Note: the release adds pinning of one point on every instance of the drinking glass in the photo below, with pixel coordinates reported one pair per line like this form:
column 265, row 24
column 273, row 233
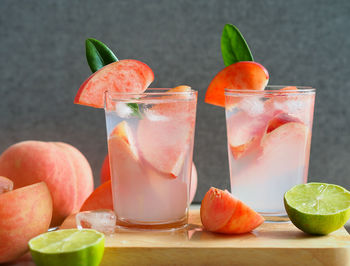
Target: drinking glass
column 269, row 137
column 150, row 144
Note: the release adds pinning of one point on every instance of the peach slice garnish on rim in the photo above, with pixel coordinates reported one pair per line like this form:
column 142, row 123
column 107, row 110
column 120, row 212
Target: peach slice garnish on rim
column 124, row 76
column 245, row 75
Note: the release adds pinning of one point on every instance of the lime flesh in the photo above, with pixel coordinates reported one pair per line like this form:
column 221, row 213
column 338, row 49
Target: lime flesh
column 68, row 247
column 318, row 208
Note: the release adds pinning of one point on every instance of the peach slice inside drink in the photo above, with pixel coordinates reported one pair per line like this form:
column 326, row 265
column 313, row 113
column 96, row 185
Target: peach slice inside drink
column 280, row 162
column 245, row 128
column 168, row 150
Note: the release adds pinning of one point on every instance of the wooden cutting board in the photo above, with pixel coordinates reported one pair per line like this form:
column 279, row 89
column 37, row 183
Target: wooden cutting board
column 270, row 244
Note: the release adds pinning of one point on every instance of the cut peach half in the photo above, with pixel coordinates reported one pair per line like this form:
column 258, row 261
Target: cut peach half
column 5, row 184
column 124, row 76
column 24, row 213
column 223, row 213
column 245, row 75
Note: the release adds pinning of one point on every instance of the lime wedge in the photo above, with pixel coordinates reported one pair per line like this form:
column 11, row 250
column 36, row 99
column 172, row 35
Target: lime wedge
column 68, row 247
column 318, row 208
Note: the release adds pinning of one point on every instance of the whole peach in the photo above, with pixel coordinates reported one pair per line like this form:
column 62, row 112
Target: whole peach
column 62, row 167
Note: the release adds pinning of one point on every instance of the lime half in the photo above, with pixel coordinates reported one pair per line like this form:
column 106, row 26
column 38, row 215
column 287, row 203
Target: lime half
column 318, row 208
column 68, row 247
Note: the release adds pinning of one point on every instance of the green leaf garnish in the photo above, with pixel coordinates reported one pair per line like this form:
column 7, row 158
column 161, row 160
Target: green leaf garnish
column 233, row 46
column 135, row 109
column 98, row 54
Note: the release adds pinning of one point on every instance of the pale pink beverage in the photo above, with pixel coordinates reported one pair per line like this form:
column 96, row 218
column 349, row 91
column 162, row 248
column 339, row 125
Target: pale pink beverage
column 150, row 145
column 269, row 138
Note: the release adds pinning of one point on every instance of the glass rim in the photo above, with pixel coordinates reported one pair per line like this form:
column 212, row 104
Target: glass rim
column 272, row 89
column 152, row 96
column 152, row 92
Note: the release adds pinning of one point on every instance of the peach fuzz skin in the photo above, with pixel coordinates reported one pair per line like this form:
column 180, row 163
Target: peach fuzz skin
column 24, row 213
column 245, row 75
column 130, row 76
column 222, row 213
column 62, row 167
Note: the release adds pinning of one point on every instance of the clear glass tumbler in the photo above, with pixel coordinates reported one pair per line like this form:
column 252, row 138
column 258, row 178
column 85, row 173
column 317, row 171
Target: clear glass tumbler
column 269, row 138
column 150, row 146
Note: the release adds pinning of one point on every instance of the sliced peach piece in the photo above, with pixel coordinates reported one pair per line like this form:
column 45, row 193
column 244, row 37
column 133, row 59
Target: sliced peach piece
column 5, row 184
column 245, row 131
column 128, row 76
column 285, row 149
column 245, row 75
column 222, row 213
column 123, row 131
column 289, row 134
column 280, row 120
column 128, row 179
column 164, row 135
column 101, row 198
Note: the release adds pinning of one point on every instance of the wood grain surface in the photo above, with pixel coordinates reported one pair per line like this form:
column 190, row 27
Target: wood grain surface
column 270, row 244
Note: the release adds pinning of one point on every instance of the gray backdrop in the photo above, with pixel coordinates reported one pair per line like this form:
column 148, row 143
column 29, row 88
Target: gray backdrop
column 43, row 63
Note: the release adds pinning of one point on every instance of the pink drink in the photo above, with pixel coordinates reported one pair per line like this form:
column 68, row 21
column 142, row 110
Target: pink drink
column 151, row 156
column 269, row 137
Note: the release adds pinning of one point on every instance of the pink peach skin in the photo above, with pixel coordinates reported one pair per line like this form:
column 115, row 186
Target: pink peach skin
column 62, row 167
column 24, row 213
